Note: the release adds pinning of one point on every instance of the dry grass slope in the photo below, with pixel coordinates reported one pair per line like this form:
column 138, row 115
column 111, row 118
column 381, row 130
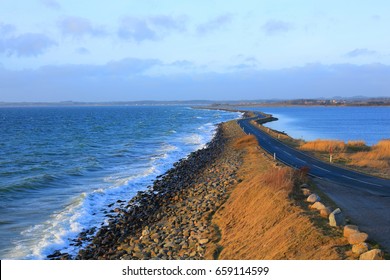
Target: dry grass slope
column 260, row 220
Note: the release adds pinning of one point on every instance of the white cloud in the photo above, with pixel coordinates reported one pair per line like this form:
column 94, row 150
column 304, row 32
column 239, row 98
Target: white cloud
column 214, row 24
column 275, row 27
column 151, row 28
column 82, row 51
column 360, row 52
column 28, row 44
column 6, row 29
column 52, row 4
column 78, row 27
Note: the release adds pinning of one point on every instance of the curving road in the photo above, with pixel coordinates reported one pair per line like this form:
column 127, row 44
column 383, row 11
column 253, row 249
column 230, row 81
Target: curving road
column 365, row 199
column 317, row 168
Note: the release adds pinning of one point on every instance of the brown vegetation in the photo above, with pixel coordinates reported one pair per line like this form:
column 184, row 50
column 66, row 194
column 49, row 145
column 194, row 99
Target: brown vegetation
column 281, row 136
column 324, row 146
column 261, row 220
column 377, row 157
column 355, row 154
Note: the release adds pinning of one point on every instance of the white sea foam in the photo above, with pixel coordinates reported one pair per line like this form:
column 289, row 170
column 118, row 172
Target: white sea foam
column 87, row 209
column 167, row 148
column 193, row 139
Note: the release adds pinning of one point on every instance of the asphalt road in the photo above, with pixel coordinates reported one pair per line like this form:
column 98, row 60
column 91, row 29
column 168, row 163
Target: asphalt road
column 364, row 199
column 317, row 168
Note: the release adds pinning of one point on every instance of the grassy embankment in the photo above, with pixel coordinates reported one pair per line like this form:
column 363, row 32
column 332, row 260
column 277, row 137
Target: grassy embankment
column 356, row 155
column 265, row 216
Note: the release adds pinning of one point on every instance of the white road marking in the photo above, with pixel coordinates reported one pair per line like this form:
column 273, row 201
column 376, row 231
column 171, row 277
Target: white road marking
column 301, row 160
column 321, row 168
column 361, row 181
column 288, row 153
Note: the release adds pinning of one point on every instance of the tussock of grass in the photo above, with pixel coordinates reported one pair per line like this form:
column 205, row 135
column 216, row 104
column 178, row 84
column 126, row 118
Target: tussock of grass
column 357, row 146
column 381, row 150
column 245, row 141
column 279, row 179
column 324, row 146
column 377, row 157
column 355, row 153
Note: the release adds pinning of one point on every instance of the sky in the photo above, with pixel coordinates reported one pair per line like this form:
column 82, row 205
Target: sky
column 72, row 50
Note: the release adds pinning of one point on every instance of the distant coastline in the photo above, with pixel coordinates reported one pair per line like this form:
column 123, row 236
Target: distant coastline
column 217, row 104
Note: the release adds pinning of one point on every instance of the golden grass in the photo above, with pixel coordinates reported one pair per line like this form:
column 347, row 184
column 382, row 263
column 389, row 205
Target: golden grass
column 356, row 143
column 377, row 157
column 324, row 146
column 381, row 150
column 355, row 153
column 260, row 221
column 279, row 179
column 245, row 141
column 357, row 146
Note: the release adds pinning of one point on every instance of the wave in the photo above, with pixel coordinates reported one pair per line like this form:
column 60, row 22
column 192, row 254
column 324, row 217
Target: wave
column 88, row 210
column 30, row 184
column 87, row 197
column 193, row 139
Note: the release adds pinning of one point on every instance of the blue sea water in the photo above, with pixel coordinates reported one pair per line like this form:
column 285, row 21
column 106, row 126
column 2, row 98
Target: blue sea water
column 370, row 124
column 60, row 168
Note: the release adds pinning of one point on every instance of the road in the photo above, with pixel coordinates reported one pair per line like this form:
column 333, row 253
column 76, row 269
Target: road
column 317, row 168
column 365, row 199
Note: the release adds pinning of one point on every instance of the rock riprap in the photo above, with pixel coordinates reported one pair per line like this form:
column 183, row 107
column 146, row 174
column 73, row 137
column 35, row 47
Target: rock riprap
column 172, row 219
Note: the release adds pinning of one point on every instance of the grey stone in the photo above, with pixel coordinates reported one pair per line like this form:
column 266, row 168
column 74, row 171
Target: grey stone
column 336, row 218
column 313, row 198
column 306, row 192
column 357, row 238
column 203, row 241
column 375, row 254
column 325, row 212
column 318, row 205
column 350, row 229
column 360, row 248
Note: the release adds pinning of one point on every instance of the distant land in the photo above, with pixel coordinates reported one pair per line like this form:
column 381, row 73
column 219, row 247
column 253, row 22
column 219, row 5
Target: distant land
column 335, row 101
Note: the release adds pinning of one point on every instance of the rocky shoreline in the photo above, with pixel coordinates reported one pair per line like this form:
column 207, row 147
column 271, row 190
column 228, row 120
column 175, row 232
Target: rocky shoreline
column 172, row 219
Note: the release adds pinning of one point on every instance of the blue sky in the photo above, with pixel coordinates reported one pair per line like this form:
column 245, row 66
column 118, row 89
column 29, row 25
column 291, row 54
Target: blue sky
column 56, row 50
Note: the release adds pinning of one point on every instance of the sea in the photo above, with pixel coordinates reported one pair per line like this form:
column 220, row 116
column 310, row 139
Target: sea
column 369, row 124
column 63, row 169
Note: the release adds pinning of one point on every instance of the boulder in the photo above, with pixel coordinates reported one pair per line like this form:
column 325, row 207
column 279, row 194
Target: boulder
column 203, row 241
column 304, row 186
column 318, row 205
column 375, row 254
column 306, row 192
column 325, row 212
column 336, row 218
column 360, row 248
column 145, row 231
column 350, row 229
column 356, row 238
column 313, row 198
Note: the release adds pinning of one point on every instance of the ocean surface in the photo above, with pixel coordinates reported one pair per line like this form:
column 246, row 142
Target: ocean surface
column 63, row 169
column 370, row 124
